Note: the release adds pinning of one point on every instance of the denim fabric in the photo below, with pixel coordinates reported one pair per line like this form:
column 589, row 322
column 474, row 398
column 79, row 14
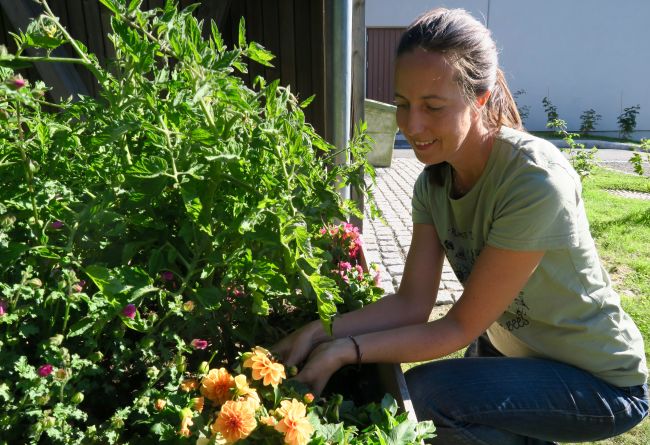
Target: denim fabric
column 486, row 398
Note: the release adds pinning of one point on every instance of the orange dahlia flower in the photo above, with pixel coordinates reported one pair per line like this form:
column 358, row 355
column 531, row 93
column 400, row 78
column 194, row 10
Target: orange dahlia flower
column 265, row 369
column 188, row 385
column 198, row 402
column 245, row 392
column 294, row 424
column 186, row 423
column 235, row 421
column 217, row 385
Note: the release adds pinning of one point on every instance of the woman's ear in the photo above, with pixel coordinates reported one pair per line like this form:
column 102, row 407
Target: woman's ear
column 482, row 99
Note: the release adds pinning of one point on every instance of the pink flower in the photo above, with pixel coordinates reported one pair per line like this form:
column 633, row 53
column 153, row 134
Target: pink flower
column 167, row 275
column 16, row 83
column 3, row 307
column 197, row 343
column 359, row 270
column 323, row 231
column 376, row 278
column 79, row 286
column 129, row 311
column 345, row 266
column 56, row 224
column 45, row 370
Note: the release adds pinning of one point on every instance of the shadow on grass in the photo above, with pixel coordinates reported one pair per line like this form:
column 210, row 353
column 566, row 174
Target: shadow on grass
column 637, row 218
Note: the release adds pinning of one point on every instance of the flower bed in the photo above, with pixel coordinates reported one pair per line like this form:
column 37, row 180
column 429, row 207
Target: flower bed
column 151, row 236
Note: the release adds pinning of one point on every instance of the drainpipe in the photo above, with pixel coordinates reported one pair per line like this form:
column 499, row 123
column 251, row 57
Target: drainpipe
column 339, row 78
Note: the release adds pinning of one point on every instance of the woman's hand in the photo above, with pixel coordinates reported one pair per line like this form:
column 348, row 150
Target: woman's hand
column 295, row 347
column 324, row 361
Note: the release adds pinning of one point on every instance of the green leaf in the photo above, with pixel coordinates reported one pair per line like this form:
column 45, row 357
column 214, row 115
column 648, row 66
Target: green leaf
column 242, row 33
column 135, row 4
column 260, row 55
column 105, row 281
column 110, row 4
column 209, row 297
column 305, row 103
column 150, row 167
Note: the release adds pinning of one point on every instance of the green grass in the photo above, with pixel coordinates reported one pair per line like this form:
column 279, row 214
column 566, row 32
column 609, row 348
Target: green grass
column 621, row 228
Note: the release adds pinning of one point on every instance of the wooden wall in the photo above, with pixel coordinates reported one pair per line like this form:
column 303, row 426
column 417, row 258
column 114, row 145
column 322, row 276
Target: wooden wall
column 382, row 45
column 293, row 30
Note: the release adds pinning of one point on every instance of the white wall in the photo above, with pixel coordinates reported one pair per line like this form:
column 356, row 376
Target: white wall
column 580, row 53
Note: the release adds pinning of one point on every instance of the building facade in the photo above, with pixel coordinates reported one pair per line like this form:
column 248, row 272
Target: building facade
column 581, row 54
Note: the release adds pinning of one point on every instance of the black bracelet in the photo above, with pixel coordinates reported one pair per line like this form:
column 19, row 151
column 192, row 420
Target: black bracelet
column 358, row 351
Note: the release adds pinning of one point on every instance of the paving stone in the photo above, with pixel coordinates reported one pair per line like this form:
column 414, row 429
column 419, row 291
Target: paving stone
column 444, row 297
column 394, row 262
column 395, row 270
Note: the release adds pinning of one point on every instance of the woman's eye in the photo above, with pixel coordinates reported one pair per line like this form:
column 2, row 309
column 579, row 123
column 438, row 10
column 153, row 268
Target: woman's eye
column 433, row 108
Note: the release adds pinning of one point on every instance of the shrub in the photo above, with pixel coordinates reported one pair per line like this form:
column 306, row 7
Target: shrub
column 588, row 120
column 524, row 110
column 552, row 115
column 627, row 120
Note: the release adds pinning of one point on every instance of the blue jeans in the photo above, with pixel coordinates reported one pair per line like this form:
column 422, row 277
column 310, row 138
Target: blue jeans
column 486, row 398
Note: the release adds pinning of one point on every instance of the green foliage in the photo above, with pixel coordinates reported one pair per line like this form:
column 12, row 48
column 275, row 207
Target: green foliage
column 627, row 120
column 583, row 160
column 552, row 115
column 639, row 157
column 524, row 110
column 588, row 120
column 179, row 206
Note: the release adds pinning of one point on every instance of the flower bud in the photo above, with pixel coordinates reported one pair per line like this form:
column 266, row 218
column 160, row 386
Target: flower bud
column 48, row 422
column 16, row 83
column 35, row 283
column 152, row 372
column 159, row 404
column 56, row 340
column 95, row 356
column 204, row 368
column 188, row 306
column 33, row 166
column 77, row 398
column 292, row 371
column 61, row 374
column 45, row 370
column 42, row 400
column 308, row 398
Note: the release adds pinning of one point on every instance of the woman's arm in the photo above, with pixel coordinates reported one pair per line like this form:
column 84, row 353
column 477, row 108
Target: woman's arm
column 411, row 304
column 496, row 279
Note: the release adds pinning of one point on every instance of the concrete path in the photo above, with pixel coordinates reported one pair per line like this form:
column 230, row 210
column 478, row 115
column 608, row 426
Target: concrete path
column 388, row 244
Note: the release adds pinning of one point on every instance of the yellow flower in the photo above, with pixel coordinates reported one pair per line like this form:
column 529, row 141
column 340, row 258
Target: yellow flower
column 294, row 424
column 217, row 384
column 235, row 421
column 245, row 392
column 264, row 368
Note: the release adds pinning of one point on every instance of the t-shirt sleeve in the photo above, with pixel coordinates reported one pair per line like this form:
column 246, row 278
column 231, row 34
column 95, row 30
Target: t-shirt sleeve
column 421, row 202
column 538, row 212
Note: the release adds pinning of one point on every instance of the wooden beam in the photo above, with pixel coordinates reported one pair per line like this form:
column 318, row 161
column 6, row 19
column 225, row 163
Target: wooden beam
column 63, row 79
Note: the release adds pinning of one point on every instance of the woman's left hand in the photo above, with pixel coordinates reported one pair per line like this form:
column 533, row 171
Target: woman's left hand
column 324, row 361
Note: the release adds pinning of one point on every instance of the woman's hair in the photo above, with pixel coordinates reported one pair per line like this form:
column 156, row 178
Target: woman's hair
column 468, row 47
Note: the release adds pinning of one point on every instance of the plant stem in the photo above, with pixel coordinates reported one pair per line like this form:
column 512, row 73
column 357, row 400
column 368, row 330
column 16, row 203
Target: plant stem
column 101, row 77
column 28, row 172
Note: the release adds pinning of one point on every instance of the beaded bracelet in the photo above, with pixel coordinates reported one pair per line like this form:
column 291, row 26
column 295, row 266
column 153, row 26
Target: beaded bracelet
column 358, row 351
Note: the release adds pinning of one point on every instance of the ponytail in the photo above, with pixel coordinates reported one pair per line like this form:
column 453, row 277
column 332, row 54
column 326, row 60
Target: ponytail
column 501, row 108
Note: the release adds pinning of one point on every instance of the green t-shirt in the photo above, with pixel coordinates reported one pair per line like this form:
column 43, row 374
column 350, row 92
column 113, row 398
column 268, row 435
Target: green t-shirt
column 529, row 198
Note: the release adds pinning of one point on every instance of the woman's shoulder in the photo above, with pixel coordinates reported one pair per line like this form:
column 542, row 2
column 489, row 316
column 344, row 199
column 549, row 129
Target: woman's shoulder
column 520, row 150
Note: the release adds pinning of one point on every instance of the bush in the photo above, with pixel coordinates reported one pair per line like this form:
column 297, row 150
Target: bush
column 552, row 115
column 174, row 220
column 627, row 120
column 588, row 120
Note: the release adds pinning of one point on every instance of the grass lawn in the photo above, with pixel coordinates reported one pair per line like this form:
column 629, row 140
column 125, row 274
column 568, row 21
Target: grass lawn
column 621, row 229
column 597, row 137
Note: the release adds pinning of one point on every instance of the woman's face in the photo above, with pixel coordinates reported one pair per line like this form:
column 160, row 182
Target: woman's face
column 431, row 110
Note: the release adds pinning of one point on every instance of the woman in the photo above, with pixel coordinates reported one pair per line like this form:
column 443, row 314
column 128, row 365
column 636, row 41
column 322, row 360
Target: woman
column 552, row 355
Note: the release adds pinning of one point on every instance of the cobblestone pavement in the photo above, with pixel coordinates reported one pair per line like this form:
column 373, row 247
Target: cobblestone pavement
column 387, row 244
